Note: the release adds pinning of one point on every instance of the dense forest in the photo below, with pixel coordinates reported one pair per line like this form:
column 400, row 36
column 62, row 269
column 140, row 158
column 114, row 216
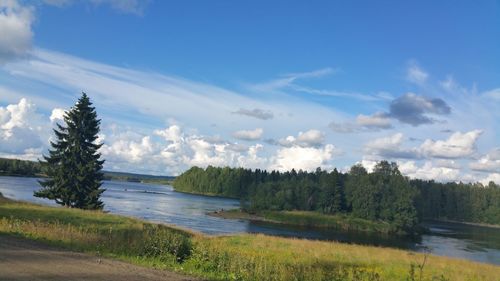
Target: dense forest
column 385, row 194
column 15, row 167
column 466, row 202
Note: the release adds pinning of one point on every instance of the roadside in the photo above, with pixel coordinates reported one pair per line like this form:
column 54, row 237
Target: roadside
column 22, row 259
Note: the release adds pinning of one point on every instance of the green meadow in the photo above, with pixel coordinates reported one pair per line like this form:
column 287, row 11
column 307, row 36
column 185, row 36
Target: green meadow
column 236, row 257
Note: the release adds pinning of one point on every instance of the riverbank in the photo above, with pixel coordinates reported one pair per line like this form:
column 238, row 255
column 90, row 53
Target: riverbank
column 215, row 195
column 494, row 226
column 237, row 257
column 308, row 219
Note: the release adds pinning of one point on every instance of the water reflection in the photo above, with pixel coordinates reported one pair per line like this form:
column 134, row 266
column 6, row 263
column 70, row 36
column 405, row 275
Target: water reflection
column 162, row 204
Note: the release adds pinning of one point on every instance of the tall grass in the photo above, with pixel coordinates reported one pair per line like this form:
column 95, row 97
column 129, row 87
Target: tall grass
column 338, row 221
column 238, row 257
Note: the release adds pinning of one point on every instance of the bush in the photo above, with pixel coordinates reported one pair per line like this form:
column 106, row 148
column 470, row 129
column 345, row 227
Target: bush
column 162, row 242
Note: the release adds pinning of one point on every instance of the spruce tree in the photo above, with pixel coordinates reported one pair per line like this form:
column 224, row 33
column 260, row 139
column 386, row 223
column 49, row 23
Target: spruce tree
column 73, row 165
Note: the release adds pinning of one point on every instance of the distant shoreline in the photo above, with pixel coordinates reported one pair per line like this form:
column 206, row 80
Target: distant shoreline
column 205, row 194
column 145, row 181
column 486, row 225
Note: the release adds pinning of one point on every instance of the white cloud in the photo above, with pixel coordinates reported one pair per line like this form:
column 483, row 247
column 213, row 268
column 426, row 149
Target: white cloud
column 390, row 147
column 171, row 151
column 21, row 128
column 15, row 30
column 310, row 138
column 416, row 74
column 458, row 145
column 303, row 158
column 488, row 163
column 249, row 135
column 57, row 114
column 430, row 171
column 494, row 177
column 132, row 151
column 172, row 133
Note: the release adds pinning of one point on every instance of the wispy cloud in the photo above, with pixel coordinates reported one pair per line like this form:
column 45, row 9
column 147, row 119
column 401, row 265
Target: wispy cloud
column 289, row 83
column 416, row 74
column 136, row 7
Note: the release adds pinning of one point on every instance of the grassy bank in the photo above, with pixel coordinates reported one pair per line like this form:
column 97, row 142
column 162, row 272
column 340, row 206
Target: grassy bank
column 309, row 219
column 239, row 257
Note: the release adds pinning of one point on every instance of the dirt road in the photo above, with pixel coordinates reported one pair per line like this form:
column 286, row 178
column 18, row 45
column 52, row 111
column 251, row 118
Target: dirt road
column 25, row 260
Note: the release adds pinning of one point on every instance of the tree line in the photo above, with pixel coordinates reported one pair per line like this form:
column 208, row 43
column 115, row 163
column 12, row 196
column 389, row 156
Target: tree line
column 16, row 167
column 382, row 195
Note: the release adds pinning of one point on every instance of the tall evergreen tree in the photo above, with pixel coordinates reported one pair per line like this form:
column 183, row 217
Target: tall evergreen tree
column 73, row 165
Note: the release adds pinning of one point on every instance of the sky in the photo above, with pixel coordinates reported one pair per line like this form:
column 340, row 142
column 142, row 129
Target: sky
column 259, row 84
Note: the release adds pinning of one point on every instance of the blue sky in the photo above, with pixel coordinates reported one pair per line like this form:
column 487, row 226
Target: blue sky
column 267, row 84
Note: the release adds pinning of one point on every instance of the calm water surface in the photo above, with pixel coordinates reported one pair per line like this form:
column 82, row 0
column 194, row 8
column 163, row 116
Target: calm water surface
column 162, row 204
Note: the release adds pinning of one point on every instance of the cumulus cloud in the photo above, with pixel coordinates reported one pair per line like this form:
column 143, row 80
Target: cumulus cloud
column 303, row 158
column 458, row 145
column 22, row 128
column 15, row 29
column 256, row 113
column 249, row 135
column 390, row 147
column 57, row 114
column 171, row 151
column 488, row 163
column 379, row 120
column 494, row 177
column 310, row 138
column 430, row 171
column 415, row 110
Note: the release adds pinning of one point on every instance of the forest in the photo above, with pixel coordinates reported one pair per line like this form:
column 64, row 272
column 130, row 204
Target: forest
column 16, row 167
column 382, row 195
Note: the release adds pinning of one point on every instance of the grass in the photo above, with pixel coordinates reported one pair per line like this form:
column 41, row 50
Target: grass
column 310, row 219
column 238, row 257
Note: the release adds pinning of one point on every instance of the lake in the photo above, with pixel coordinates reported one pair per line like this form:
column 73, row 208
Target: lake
column 162, row 204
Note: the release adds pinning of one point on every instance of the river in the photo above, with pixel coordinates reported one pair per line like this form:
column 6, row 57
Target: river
column 162, row 204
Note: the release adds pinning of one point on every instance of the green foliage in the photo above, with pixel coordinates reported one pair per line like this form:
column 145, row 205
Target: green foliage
column 15, row 167
column 73, row 165
column 459, row 201
column 384, row 195
column 161, row 241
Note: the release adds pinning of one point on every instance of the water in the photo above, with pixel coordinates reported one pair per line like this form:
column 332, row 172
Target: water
column 162, row 204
